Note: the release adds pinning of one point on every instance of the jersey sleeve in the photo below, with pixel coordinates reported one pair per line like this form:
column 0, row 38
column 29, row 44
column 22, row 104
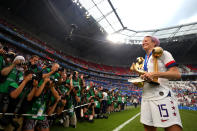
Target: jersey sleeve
column 168, row 59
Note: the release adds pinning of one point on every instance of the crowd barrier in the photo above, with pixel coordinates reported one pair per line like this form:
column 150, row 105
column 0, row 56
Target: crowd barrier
column 13, row 114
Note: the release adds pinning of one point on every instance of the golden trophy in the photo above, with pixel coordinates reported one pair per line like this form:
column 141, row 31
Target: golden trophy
column 138, row 68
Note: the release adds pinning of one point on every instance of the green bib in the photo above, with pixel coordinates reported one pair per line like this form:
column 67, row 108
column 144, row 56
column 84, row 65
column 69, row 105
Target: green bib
column 38, row 103
column 12, row 77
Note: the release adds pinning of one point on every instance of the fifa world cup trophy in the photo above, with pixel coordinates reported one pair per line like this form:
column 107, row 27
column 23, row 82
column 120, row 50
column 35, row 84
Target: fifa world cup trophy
column 139, row 65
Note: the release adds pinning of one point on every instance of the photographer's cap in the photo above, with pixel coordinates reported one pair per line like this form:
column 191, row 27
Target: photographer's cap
column 21, row 58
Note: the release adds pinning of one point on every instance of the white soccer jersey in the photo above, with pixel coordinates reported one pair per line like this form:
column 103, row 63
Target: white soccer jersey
column 156, row 92
column 159, row 108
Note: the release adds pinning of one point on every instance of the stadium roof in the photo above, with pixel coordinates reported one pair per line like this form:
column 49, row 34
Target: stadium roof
column 108, row 14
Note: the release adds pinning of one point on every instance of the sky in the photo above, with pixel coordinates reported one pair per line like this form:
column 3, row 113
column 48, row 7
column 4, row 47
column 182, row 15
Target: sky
column 154, row 14
column 145, row 14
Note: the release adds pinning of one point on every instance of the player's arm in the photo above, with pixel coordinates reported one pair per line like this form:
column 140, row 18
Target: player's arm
column 172, row 70
column 172, row 73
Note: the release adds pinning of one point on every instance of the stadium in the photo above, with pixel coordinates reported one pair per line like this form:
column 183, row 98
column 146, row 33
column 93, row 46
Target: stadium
column 75, row 66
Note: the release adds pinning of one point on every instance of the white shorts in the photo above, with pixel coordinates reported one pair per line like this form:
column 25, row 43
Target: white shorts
column 160, row 113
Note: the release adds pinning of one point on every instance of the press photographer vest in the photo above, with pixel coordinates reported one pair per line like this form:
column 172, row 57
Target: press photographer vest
column 13, row 76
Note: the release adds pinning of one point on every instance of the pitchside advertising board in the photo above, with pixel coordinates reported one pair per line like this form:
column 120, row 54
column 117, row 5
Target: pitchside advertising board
column 188, row 108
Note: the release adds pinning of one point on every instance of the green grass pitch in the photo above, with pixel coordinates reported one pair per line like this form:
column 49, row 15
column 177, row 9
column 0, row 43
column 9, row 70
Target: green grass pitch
column 189, row 121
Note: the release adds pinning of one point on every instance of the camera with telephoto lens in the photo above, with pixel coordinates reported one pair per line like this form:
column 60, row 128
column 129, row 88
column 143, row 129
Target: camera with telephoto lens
column 74, row 74
column 76, row 87
column 9, row 55
column 60, row 69
column 23, row 63
column 37, row 76
column 68, row 74
column 54, row 80
column 92, row 104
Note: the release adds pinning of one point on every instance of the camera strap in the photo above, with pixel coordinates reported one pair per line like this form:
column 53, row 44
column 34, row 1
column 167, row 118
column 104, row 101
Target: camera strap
column 18, row 80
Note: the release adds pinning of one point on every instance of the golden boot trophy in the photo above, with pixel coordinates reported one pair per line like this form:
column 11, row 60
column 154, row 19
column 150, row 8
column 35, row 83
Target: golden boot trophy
column 138, row 68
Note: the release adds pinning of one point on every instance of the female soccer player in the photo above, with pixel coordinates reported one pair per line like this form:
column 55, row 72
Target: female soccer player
column 159, row 107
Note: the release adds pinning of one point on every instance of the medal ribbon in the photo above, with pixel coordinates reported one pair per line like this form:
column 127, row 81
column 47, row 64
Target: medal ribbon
column 146, row 61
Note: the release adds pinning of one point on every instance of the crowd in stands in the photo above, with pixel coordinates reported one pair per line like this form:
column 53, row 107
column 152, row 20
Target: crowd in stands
column 83, row 63
column 186, row 92
column 193, row 68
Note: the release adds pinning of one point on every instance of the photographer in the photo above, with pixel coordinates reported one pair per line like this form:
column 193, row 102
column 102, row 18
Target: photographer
column 70, row 94
column 2, row 61
column 44, row 102
column 21, row 95
column 32, row 64
column 77, row 84
column 104, row 103
column 11, row 74
column 6, row 59
column 41, row 105
column 119, row 98
column 109, row 101
column 64, row 88
column 90, row 110
column 51, row 71
column 113, row 100
column 98, row 100
column 90, row 96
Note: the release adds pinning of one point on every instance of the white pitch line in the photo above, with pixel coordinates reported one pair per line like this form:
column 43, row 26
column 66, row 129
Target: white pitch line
column 122, row 125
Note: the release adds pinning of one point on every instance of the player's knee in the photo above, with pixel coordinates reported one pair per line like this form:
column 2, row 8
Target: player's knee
column 174, row 128
column 149, row 128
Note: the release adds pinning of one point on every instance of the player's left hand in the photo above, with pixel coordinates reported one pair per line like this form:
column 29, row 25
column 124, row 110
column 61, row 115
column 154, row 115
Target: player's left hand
column 148, row 76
